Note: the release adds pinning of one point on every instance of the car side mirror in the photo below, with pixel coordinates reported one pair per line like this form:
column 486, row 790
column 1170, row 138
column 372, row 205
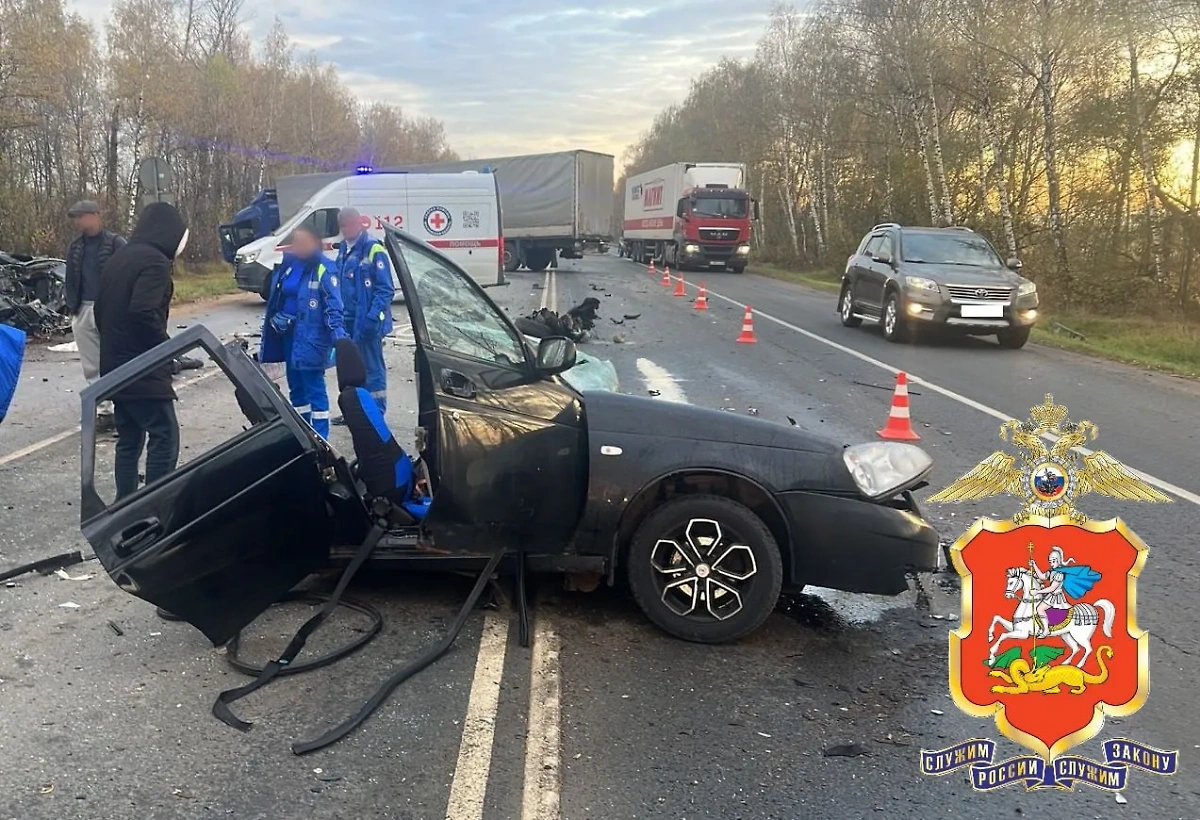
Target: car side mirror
column 681, row 210
column 883, row 258
column 1014, row 263
column 555, row 354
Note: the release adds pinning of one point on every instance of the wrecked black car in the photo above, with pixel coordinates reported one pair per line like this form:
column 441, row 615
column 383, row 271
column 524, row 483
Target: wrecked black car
column 32, row 294
column 707, row 514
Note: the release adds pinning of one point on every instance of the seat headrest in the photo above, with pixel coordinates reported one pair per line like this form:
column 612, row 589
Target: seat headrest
column 351, row 369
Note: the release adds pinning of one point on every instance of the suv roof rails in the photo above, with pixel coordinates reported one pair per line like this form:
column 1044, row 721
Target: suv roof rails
column 886, row 225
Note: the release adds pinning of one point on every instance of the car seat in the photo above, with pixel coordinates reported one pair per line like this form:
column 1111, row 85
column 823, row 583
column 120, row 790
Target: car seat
column 383, row 467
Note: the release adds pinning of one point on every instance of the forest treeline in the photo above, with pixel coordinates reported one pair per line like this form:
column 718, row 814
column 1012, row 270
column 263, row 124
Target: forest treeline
column 180, row 79
column 1065, row 130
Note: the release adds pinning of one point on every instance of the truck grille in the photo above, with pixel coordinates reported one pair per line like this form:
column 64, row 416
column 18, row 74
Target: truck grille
column 718, row 251
column 719, row 234
column 978, row 293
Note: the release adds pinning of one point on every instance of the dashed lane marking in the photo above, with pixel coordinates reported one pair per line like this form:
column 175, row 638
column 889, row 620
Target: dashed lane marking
column 661, row 382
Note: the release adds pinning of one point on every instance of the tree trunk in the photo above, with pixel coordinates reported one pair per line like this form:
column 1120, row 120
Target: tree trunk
column 935, row 213
column 1006, row 214
column 112, row 192
column 938, row 159
column 789, row 213
column 1152, row 220
column 1053, row 185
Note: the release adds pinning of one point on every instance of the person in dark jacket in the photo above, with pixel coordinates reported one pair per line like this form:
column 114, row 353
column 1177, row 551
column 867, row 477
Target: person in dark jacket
column 86, row 257
column 302, row 321
column 131, row 312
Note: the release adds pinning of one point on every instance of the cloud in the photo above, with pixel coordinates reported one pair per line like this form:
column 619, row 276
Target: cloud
column 518, row 76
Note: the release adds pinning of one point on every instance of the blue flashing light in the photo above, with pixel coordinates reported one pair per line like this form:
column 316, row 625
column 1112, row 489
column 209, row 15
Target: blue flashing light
column 363, row 169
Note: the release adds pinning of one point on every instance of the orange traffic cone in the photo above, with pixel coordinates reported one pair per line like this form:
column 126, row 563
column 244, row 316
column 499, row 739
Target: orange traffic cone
column 702, row 299
column 679, row 288
column 899, row 423
column 652, row 271
column 666, row 277
column 748, row 337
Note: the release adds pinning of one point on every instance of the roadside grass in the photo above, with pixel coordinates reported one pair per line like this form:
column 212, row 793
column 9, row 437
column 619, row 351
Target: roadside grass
column 1169, row 345
column 203, row 281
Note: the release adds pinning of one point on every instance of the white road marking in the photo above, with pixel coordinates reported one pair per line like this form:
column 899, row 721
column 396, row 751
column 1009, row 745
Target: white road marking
column 66, row 434
column 661, row 381
column 1162, row 484
column 549, row 291
column 469, row 787
column 541, row 797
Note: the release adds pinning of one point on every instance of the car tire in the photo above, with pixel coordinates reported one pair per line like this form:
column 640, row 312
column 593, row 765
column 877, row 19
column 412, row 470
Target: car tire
column 738, row 269
column 538, row 259
column 747, row 562
column 895, row 329
column 1014, row 338
column 512, row 260
column 846, row 307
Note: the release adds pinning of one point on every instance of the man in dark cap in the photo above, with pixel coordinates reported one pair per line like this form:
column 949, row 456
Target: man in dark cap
column 86, row 257
column 131, row 312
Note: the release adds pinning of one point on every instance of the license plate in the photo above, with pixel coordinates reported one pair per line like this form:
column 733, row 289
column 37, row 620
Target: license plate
column 716, row 264
column 992, row 311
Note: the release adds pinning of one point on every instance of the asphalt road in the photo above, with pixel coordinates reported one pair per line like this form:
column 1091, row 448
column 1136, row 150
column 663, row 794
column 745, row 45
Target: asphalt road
column 605, row 716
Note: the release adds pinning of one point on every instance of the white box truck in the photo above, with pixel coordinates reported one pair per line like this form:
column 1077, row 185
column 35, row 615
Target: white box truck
column 552, row 203
column 691, row 215
column 459, row 214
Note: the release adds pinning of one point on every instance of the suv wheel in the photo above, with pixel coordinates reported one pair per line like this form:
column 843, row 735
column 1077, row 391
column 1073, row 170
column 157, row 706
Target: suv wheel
column 705, row 568
column 1014, row 338
column 895, row 329
column 846, row 307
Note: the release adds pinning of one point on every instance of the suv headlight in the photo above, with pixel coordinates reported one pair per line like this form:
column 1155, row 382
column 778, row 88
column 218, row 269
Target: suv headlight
column 1026, row 289
column 920, row 283
column 882, row 469
column 248, row 257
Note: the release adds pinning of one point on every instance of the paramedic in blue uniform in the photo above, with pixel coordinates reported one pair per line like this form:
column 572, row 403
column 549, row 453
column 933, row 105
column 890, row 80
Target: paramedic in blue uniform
column 367, row 291
column 302, row 322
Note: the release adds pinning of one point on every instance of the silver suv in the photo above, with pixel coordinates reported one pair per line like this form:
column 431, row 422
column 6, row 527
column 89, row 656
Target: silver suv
column 947, row 278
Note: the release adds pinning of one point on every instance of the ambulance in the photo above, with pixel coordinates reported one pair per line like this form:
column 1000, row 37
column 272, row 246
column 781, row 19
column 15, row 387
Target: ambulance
column 459, row 214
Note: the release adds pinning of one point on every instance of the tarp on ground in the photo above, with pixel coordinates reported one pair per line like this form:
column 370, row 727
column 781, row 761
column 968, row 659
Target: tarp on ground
column 12, row 353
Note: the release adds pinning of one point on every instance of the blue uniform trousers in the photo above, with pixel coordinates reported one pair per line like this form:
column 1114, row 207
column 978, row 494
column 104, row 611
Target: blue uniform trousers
column 372, row 352
column 306, row 391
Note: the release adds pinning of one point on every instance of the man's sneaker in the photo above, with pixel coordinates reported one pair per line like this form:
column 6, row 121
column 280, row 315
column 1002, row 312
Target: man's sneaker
column 165, row 615
column 106, row 423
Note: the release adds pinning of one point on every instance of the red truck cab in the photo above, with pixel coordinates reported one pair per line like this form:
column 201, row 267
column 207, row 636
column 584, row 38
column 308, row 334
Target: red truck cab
column 713, row 227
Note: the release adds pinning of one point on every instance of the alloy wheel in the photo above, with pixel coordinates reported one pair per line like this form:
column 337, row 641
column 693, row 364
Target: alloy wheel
column 702, row 571
column 890, row 318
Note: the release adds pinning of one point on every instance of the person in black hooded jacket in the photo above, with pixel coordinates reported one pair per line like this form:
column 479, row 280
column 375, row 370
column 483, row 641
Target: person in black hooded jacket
column 131, row 314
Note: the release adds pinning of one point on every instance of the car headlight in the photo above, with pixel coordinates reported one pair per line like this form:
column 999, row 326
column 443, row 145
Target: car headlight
column 743, row 249
column 248, row 257
column 1026, row 289
column 920, row 283
column 882, row 469
column 691, row 249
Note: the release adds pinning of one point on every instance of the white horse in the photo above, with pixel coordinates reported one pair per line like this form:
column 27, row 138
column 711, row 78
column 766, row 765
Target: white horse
column 1082, row 619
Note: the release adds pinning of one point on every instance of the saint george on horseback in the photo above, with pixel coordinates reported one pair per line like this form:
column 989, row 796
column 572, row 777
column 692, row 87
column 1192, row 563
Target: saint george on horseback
column 1063, row 579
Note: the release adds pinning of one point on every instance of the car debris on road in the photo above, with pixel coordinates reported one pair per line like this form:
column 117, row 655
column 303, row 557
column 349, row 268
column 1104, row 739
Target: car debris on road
column 32, row 298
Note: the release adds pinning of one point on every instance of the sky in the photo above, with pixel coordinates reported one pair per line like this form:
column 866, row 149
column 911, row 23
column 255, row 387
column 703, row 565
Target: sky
column 516, row 76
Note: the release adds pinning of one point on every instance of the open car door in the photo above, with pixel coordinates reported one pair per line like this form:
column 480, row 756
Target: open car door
column 506, row 446
column 231, row 530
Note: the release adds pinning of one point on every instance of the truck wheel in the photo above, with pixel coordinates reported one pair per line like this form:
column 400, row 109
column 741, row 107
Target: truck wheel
column 512, row 260
column 538, row 259
column 704, row 568
column 1014, row 338
column 737, row 268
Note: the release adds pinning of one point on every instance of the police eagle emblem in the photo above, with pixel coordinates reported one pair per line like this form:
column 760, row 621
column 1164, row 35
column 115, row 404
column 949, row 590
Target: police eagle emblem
column 1049, row 478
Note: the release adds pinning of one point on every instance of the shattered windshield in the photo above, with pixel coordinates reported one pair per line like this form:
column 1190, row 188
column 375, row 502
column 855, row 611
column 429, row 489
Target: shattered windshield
column 732, row 208
column 457, row 318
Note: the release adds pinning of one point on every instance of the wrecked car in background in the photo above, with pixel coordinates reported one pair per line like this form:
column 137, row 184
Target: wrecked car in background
column 709, row 515
column 32, row 295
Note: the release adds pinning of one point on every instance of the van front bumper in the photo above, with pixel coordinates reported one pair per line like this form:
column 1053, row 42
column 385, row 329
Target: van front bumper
column 251, row 276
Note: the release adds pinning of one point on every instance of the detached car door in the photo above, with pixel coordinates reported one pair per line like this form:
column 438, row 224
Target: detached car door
column 235, row 526
column 506, row 447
